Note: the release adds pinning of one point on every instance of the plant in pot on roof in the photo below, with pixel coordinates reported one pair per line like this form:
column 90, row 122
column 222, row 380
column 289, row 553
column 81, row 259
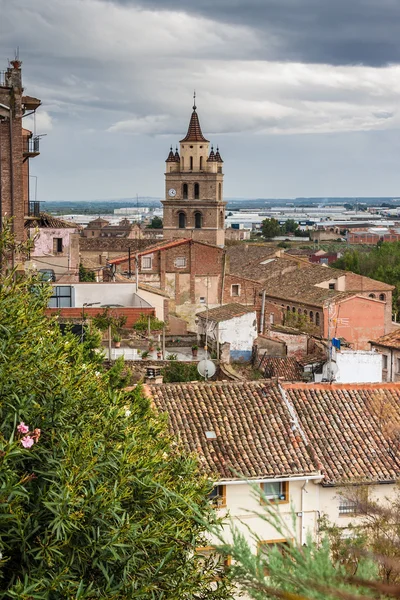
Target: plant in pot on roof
column 145, row 355
column 117, row 340
column 159, row 353
column 195, row 349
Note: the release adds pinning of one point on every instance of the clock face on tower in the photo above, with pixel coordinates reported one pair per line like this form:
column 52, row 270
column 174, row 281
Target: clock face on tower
column 172, row 193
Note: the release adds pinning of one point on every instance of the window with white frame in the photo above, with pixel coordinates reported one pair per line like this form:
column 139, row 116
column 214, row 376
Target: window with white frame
column 235, row 289
column 384, row 361
column 147, row 262
column 202, row 300
column 180, row 262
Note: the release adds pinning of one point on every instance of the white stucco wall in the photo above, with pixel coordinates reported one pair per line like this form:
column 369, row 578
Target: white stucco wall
column 358, row 367
column 155, row 300
column 239, row 332
column 104, row 293
column 309, row 500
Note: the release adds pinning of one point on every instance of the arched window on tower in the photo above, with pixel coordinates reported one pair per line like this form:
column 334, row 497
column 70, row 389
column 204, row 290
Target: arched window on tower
column 182, row 163
column 317, row 318
column 219, row 191
column 191, row 163
column 221, row 217
column 196, row 191
column 201, row 163
column 198, row 218
column 382, row 297
column 182, row 220
column 185, row 191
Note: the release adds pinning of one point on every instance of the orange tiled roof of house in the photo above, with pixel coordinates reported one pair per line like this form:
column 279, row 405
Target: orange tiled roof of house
column 285, row 367
column 263, row 429
column 390, row 340
column 225, row 312
column 48, row 221
column 254, row 436
column 343, row 426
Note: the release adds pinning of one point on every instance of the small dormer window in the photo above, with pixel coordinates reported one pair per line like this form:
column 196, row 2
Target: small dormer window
column 331, row 286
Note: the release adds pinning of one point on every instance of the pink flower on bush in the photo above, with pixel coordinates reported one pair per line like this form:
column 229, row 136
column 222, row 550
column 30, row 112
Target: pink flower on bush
column 22, row 428
column 27, row 442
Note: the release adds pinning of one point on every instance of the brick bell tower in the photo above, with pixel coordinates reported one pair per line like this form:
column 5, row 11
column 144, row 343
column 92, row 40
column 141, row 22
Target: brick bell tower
column 193, row 205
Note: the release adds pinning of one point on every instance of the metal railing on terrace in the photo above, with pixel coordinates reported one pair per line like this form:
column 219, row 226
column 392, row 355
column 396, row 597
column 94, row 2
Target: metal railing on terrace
column 32, row 146
column 3, row 78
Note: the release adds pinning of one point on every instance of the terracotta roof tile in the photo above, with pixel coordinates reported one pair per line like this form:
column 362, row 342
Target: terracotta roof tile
column 390, row 340
column 194, row 133
column 342, row 424
column 225, row 312
column 285, row 367
column 48, row 221
column 253, row 427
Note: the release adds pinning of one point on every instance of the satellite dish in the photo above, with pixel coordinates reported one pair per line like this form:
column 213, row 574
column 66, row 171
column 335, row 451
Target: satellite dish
column 206, row 368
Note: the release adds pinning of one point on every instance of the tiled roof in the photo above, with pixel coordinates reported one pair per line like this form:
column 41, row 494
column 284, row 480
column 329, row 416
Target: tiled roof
column 390, row 340
column 253, row 427
column 152, row 248
column 153, row 290
column 342, row 424
column 113, row 244
column 240, row 256
column 48, row 221
column 225, row 312
column 285, row 367
column 194, row 133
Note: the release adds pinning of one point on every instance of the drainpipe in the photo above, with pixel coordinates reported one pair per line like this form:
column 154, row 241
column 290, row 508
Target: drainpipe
column 223, row 279
column 303, row 533
column 262, row 317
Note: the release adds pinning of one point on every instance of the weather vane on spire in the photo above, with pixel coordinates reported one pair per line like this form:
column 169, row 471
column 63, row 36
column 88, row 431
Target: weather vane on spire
column 194, row 100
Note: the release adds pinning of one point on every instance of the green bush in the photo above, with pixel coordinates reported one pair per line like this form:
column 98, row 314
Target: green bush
column 97, row 500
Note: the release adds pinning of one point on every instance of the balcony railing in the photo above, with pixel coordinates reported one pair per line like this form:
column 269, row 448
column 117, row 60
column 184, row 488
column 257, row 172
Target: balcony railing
column 32, row 147
column 2, row 78
column 34, row 208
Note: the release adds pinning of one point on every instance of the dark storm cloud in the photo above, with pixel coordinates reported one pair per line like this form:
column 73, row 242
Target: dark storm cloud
column 337, row 32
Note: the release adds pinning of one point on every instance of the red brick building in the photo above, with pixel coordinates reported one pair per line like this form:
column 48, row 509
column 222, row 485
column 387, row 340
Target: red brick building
column 190, row 272
column 314, row 298
column 17, row 147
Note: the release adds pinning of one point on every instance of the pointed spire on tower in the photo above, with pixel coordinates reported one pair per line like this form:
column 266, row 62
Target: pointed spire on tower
column 194, row 133
column 211, row 158
column 171, row 157
column 177, row 157
column 218, row 156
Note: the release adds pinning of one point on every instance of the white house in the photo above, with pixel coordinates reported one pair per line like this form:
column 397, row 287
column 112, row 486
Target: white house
column 233, row 324
column 303, row 444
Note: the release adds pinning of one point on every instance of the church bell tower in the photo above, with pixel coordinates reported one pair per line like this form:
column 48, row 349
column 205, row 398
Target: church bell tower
column 193, row 205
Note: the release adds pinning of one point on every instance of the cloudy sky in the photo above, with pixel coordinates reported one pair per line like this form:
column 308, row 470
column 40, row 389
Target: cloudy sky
column 302, row 96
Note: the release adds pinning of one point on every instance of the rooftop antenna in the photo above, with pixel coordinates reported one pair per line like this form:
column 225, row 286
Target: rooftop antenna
column 194, row 100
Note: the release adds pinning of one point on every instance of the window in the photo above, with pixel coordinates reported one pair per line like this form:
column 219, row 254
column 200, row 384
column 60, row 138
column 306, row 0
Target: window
column 382, row 297
column 191, row 163
column 62, row 297
column 293, row 309
column 218, row 496
column 202, row 300
column 221, row 216
column 275, row 491
column 271, row 318
column 219, row 191
column 92, row 233
column 371, row 296
column 347, row 507
column 311, row 316
column 147, row 262
column 398, row 365
column 180, row 262
column 384, row 361
column 331, row 286
column 197, row 220
column 196, row 191
column 57, row 245
column 181, row 220
column 235, row 289
column 185, row 191
column 317, row 318
column 201, row 162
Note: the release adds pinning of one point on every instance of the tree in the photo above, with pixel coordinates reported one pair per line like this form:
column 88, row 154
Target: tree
column 155, row 223
column 270, row 228
column 290, row 226
column 86, row 274
column 97, row 500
